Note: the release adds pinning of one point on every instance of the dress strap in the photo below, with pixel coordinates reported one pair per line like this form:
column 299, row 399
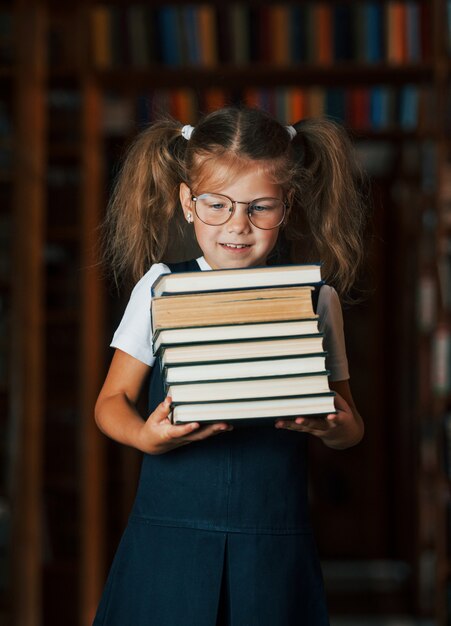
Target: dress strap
column 184, row 266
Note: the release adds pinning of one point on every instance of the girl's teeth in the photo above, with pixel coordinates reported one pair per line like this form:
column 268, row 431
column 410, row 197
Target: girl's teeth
column 238, row 245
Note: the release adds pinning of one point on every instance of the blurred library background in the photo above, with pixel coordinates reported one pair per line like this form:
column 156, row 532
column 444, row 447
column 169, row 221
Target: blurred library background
column 77, row 80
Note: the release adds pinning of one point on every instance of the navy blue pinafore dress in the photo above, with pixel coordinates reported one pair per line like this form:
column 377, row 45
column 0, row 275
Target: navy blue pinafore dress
column 219, row 534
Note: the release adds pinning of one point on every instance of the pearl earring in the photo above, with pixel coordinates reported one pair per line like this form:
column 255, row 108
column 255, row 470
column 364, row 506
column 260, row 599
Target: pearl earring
column 189, row 218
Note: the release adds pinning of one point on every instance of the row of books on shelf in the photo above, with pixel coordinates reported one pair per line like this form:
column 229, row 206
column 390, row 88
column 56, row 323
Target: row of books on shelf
column 279, row 34
column 242, row 344
column 379, row 108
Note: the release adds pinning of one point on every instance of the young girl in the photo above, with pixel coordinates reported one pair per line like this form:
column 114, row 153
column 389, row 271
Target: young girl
column 220, row 532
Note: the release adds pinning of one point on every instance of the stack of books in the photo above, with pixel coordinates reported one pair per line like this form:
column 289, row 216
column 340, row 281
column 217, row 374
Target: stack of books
column 241, row 344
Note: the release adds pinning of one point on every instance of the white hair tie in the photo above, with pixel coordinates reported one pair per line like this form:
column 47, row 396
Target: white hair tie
column 187, row 131
column 291, row 131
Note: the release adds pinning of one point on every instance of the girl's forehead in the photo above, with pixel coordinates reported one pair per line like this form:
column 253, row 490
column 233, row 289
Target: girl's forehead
column 214, row 174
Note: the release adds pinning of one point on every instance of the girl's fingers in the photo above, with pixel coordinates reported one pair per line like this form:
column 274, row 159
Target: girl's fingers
column 178, row 431
column 193, row 432
column 162, row 411
column 314, row 426
column 208, row 431
column 184, row 433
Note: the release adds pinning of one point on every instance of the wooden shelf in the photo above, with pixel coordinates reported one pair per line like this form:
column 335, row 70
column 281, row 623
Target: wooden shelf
column 124, row 78
column 260, row 74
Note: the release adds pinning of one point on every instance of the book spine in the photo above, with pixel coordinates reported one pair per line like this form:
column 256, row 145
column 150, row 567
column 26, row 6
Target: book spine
column 208, row 35
column 335, row 104
column 413, row 32
column 279, row 20
column 239, row 28
column 297, row 34
column 408, row 107
column 324, row 33
column 396, row 33
column 168, row 25
column 101, row 37
column 374, row 29
column 343, row 33
column 136, row 26
column 214, row 99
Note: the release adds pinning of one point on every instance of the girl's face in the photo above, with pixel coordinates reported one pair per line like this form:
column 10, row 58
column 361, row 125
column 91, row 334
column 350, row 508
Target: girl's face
column 237, row 243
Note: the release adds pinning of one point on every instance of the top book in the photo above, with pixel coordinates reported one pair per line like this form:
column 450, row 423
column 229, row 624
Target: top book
column 232, row 279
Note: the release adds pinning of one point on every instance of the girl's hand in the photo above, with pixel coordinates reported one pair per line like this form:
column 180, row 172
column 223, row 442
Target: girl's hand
column 337, row 430
column 158, row 435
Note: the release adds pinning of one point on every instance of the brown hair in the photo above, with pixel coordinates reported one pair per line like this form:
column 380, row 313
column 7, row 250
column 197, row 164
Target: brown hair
column 316, row 168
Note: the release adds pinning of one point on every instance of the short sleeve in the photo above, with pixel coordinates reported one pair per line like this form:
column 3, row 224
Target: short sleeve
column 331, row 324
column 133, row 334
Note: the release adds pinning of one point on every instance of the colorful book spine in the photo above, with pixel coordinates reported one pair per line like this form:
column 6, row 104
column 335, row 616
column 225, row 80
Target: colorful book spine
column 374, row 28
column 207, row 35
column 101, row 37
column 396, row 33
column 279, row 21
column 170, row 35
column 413, row 32
column 324, row 33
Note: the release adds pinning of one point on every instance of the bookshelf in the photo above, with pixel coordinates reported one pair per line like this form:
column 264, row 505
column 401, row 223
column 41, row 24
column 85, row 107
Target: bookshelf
column 7, row 104
column 92, row 86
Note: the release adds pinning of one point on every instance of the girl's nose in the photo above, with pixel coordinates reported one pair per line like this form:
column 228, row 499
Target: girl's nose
column 239, row 222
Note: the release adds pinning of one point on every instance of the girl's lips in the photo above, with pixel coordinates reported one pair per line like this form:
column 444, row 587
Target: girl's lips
column 235, row 246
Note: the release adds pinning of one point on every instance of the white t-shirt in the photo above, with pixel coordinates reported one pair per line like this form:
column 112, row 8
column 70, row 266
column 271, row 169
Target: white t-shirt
column 133, row 334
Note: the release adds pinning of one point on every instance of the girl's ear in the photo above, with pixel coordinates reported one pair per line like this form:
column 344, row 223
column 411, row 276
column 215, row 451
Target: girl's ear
column 185, row 198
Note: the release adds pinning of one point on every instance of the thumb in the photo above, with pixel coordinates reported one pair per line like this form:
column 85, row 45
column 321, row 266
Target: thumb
column 163, row 410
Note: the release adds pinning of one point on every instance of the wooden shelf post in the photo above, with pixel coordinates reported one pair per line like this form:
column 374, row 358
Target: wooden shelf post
column 27, row 362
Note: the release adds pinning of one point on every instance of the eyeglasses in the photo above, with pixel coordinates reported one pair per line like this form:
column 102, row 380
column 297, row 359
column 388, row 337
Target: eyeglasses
column 215, row 209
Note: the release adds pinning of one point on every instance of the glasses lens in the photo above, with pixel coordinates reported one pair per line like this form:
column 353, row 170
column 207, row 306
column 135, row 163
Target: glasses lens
column 212, row 208
column 266, row 213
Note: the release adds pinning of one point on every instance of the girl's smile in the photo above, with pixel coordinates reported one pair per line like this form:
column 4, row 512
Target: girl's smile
column 235, row 246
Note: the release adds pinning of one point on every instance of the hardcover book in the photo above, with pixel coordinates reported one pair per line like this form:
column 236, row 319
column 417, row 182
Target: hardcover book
column 297, row 364
column 242, row 350
column 248, row 388
column 243, row 410
column 247, row 278
column 233, row 332
column 232, row 307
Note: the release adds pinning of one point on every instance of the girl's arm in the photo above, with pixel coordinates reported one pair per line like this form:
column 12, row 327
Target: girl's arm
column 341, row 430
column 117, row 416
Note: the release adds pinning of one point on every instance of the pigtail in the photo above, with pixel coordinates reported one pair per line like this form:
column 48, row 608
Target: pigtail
column 144, row 200
column 328, row 215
